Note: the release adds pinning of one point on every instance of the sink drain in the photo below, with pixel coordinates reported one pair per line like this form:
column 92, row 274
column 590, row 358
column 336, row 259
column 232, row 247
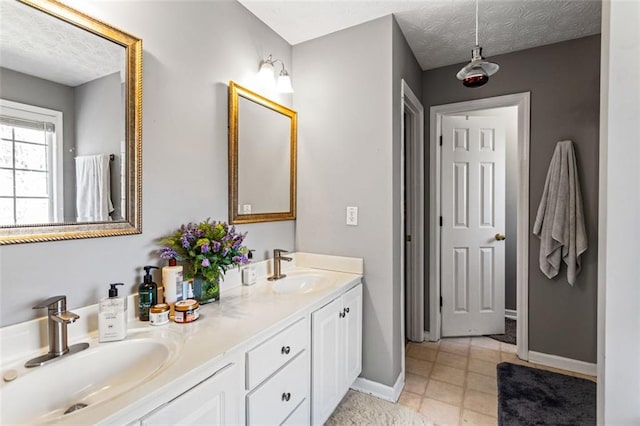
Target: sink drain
column 75, row 407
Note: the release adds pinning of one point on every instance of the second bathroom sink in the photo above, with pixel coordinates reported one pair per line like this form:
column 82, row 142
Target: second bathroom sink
column 304, row 283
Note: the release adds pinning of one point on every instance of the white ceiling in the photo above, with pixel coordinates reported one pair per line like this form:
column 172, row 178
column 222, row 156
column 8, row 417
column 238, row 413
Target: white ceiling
column 439, row 32
column 34, row 43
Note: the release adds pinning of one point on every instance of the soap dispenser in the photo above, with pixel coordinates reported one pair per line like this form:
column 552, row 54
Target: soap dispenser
column 249, row 274
column 147, row 294
column 112, row 316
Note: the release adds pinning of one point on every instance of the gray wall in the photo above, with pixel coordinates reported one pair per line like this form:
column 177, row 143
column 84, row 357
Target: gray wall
column 349, row 147
column 564, row 82
column 344, row 140
column 19, row 87
column 100, row 126
column 188, row 62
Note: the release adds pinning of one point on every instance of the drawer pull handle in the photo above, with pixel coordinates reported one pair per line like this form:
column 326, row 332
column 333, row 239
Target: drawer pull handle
column 346, row 310
column 285, row 350
column 286, row 396
column 341, row 314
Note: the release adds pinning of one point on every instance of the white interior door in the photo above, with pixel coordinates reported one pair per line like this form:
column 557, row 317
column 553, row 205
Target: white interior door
column 473, row 220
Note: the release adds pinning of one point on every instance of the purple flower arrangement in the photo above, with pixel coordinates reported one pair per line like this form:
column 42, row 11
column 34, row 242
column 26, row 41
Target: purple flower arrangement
column 208, row 249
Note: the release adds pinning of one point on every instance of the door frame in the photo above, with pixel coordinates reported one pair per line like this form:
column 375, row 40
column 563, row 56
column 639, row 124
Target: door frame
column 523, row 103
column 410, row 104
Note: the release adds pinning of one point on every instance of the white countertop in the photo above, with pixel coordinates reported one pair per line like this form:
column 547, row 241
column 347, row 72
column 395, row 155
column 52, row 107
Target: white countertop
column 243, row 317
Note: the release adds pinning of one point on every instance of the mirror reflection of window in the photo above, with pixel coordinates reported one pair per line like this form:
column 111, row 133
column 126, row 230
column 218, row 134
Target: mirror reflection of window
column 30, row 160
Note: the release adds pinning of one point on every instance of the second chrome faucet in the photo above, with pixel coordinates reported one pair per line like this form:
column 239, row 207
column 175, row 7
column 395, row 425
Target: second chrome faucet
column 277, row 267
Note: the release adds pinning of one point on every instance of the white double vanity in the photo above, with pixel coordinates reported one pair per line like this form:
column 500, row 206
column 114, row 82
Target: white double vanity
column 263, row 355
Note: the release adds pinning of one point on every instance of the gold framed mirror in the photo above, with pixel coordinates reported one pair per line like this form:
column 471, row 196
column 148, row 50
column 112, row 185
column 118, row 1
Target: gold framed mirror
column 262, row 158
column 51, row 147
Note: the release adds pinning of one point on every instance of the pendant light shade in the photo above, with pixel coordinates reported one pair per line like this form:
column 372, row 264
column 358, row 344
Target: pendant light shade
column 477, row 72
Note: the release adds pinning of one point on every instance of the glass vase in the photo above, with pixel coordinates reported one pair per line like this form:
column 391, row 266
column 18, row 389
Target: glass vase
column 206, row 291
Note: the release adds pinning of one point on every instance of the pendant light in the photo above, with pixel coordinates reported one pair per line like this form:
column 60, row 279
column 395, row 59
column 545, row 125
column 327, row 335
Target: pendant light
column 476, row 73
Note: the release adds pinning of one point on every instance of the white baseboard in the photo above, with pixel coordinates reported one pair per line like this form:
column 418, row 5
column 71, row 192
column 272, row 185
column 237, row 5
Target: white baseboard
column 511, row 314
column 563, row 363
column 426, row 335
column 379, row 390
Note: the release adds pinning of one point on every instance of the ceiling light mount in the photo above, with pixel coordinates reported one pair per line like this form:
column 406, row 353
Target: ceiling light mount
column 477, row 72
column 267, row 73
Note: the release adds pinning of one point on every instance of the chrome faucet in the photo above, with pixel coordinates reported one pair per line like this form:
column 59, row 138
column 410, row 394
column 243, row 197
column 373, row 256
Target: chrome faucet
column 58, row 318
column 277, row 258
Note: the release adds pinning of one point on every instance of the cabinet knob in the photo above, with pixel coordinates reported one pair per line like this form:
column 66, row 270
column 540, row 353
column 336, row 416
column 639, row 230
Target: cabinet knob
column 341, row 314
column 286, row 396
column 285, row 350
column 346, row 310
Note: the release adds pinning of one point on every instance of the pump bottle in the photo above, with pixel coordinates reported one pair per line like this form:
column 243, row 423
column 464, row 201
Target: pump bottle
column 172, row 281
column 112, row 316
column 147, row 294
column 249, row 275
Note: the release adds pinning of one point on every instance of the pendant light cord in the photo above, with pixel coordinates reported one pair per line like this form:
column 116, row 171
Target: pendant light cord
column 477, row 23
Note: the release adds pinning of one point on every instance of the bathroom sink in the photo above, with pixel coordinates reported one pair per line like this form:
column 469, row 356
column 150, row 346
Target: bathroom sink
column 103, row 371
column 299, row 284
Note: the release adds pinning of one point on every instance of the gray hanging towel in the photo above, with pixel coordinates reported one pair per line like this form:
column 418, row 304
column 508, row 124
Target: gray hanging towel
column 560, row 219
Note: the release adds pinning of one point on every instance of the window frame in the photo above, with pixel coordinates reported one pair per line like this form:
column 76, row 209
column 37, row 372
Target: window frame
column 55, row 153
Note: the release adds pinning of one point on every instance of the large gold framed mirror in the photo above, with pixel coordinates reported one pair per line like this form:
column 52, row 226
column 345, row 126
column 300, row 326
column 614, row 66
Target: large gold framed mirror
column 70, row 125
column 262, row 158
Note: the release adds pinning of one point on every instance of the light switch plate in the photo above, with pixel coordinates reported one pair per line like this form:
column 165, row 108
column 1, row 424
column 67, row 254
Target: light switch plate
column 246, row 209
column 352, row 215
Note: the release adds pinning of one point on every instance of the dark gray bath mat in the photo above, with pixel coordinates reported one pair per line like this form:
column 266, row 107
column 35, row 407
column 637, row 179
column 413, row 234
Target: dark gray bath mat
column 527, row 396
column 509, row 335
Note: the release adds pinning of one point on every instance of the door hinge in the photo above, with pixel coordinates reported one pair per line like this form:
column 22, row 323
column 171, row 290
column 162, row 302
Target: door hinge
column 440, row 302
column 440, row 140
column 440, row 220
column 408, row 238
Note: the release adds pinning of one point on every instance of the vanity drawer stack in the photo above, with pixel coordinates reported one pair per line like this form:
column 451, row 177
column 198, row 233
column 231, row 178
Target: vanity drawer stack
column 277, row 377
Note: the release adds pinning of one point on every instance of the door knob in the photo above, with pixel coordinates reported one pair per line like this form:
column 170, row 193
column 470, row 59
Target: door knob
column 500, row 237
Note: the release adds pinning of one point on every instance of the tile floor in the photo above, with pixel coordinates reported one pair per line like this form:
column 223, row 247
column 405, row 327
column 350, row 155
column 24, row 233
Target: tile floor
column 453, row 382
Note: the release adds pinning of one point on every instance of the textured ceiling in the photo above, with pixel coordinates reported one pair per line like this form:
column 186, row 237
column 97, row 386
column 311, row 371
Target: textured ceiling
column 34, row 43
column 439, row 32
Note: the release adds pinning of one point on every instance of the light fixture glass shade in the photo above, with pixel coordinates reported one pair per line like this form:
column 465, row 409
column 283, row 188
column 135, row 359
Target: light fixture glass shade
column 266, row 74
column 477, row 72
column 284, row 82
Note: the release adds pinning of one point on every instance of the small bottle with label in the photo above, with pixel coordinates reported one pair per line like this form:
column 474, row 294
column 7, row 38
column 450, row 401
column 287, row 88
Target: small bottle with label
column 147, row 294
column 172, row 281
column 249, row 274
column 112, row 316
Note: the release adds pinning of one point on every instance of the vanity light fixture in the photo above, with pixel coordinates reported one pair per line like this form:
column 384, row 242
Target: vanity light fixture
column 476, row 73
column 267, row 74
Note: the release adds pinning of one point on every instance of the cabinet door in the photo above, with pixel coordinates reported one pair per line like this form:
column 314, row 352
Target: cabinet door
column 352, row 301
column 214, row 401
column 327, row 328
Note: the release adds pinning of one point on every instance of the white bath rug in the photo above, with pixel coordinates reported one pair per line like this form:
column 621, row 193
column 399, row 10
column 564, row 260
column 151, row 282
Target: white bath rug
column 357, row 408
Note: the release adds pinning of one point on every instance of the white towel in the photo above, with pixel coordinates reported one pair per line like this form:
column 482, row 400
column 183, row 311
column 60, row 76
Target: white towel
column 93, row 188
column 560, row 219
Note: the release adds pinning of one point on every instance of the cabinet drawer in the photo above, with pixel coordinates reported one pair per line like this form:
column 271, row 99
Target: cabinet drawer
column 300, row 417
column 274, row 400
column 269, row 356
